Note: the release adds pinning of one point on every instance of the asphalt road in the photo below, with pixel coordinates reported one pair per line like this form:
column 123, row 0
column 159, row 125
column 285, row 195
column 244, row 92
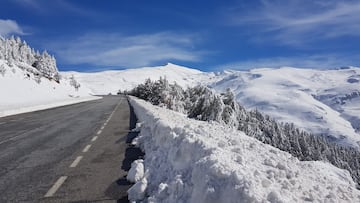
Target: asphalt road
column 68, row 154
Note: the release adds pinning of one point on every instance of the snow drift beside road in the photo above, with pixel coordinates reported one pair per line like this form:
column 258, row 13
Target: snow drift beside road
column 23, row 91
column 194, row 161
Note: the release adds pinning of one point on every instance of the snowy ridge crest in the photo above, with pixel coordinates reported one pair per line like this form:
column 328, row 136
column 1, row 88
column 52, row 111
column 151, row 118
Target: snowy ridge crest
column 111, row 81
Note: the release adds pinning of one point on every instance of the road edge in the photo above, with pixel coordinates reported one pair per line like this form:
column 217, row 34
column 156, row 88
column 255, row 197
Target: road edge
column 29, row 109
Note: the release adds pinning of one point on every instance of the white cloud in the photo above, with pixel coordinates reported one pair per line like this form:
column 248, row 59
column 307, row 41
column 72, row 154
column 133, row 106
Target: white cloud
column 296, row 22
column 126, row 51
column 8, row 27
column 308, row 61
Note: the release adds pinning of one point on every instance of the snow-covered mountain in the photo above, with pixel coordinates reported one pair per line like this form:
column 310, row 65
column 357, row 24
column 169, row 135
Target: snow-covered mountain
column 114, row 80
column 195, row 161
column 319, row 101
column 30, row 81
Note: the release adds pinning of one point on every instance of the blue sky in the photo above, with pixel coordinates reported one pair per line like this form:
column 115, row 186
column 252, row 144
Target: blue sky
column 209, row 35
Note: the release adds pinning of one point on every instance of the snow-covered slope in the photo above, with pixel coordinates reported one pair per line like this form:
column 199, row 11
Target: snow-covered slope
column 194, row 161
column 320, row 101
column 24, row 89
column 112, row 81
column 30, row 81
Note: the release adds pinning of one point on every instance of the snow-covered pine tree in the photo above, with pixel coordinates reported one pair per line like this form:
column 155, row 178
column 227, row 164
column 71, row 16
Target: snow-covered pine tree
column 74, row 83
column 16, row 52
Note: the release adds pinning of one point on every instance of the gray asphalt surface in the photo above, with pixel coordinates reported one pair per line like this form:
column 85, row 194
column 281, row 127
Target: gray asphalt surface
column 38, row 148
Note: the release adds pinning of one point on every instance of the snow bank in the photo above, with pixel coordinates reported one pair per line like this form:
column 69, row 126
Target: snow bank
column 25, row 109
column 23, row 91
column 136, row 171
column 194, row 161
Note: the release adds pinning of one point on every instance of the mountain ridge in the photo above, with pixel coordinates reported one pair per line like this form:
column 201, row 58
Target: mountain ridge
column 112, row 81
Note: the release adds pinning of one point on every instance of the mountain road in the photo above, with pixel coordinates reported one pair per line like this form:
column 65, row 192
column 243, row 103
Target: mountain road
column 72, row 153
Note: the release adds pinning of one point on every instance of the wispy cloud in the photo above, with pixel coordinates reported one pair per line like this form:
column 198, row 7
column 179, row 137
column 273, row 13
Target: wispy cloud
column 45, row 7
column 8, row 27
column 117, row 50
column 304, row 61
column 296, row 22
column 29, row 3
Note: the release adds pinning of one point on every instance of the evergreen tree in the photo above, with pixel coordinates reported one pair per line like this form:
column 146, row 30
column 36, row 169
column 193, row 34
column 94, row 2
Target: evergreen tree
column 17, row 52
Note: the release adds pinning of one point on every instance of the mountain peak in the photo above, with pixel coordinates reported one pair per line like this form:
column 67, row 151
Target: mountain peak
column 179, row 68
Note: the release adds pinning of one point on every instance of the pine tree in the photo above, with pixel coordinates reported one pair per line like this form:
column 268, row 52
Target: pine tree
column 16, row 52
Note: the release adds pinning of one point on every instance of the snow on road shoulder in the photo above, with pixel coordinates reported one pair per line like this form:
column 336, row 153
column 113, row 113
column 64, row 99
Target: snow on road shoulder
column 195, row 161
column 42, row 105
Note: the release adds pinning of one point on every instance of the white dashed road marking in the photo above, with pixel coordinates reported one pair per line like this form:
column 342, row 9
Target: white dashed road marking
column 56, row 186
column 86, row 148
column 94, row 138
column 62, row 179
column 76, row 161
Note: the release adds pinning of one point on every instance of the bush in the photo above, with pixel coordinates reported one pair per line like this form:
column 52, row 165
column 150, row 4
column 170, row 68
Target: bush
column 2, row 70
